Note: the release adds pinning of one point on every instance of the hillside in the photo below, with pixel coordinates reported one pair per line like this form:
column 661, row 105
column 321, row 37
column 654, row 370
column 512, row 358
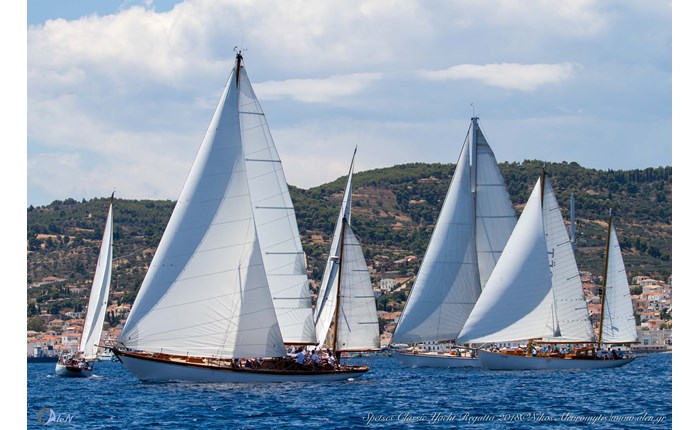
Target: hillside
column 394, row 210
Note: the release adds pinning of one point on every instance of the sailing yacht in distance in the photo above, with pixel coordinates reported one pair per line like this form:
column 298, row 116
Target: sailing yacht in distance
column 208, row 309
column 473, row 227
column 535, row 295
column 80, row 364
column 345, row 315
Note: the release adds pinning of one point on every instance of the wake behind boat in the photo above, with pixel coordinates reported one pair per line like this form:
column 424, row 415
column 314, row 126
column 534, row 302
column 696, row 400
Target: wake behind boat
column 226, row 288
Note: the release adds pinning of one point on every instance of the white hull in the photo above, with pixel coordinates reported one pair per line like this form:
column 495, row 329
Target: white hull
column 160, row 371
column 499, row 361
column 410, row 359
column 71, row 372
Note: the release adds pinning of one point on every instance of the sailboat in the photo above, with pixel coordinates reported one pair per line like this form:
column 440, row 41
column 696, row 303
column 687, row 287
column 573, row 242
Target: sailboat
column 211, row 308
column 472, row 229
column 535, row 295
column 81, row 363
column 345, row 315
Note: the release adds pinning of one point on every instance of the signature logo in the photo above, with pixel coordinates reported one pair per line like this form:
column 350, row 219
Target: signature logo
column 47, row 415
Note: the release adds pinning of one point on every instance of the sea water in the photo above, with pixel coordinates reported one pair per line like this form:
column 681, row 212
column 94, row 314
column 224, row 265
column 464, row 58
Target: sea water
column 638, row 395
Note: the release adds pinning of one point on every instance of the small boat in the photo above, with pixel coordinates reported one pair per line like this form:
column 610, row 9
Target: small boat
column 474, row 224
column 223, row 294
column 80, row 364
column 535, row 294
column 345, row 316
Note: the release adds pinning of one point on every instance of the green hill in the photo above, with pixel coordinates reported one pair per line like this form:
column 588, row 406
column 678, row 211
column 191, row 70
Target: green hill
column 394, row 210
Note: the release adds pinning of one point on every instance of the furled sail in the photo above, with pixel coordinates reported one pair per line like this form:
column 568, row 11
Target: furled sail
column 99, row 295
column 206, row 292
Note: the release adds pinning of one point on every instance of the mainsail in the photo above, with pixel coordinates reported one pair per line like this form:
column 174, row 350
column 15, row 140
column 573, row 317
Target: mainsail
column 206, row 292
column 495, row 216
column 618, row 322
column 275, row 219
column 99, row 294
column 534, row 290
column 352, row 309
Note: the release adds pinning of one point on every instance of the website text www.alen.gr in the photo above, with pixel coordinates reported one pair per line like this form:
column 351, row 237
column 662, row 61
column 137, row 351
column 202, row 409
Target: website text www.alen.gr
column 466, row 417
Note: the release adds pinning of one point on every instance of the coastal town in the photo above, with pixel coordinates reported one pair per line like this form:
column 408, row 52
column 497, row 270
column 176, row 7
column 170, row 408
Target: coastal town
column 53, row 334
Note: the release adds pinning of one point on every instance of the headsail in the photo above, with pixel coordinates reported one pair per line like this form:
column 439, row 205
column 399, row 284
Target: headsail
column 327, row 293
column 206, row 292
column 517, row 300
column 99, row 294
column 447, row 284
column 275, row 218
column 618, row 322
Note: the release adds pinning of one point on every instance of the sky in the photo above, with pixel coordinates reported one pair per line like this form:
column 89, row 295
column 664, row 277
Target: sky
column 120, row 93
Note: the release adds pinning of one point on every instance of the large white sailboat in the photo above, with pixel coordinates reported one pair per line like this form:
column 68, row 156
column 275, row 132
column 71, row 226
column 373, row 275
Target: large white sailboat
column 81, row 363
column 474, row 224
column 225, row 290
column 535, row 295
column 345, row 313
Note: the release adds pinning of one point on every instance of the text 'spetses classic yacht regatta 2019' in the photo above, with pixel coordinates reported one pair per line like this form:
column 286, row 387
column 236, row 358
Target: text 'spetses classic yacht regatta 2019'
column 80, row 364
column 345, row 316
column 226, row 286
column 474, row 224
column 535, row 295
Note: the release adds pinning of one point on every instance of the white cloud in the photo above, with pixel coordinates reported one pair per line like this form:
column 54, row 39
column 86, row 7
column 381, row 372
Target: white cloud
column 316, row 90
column 128, row 96
column 525, row 77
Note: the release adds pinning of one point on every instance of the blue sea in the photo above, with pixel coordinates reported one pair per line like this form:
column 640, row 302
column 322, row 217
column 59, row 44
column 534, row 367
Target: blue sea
column 636, row 396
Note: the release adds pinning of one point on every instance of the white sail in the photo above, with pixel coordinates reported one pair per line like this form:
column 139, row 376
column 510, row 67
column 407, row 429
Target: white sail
column 327, row 293
column 619, row 324
column 206, row 291
column 275, row 218
column 517, row 300
column 572, row 320
column 99, row 295
column 447, row 284
column 358, row 324
column 495, row 216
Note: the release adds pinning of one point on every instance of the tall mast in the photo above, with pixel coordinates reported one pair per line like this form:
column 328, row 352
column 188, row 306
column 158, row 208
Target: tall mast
column 572, row 220
column 543, row 183
column 339, row 283
column 474, row 149
column 604, row 286
column 238, row 64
